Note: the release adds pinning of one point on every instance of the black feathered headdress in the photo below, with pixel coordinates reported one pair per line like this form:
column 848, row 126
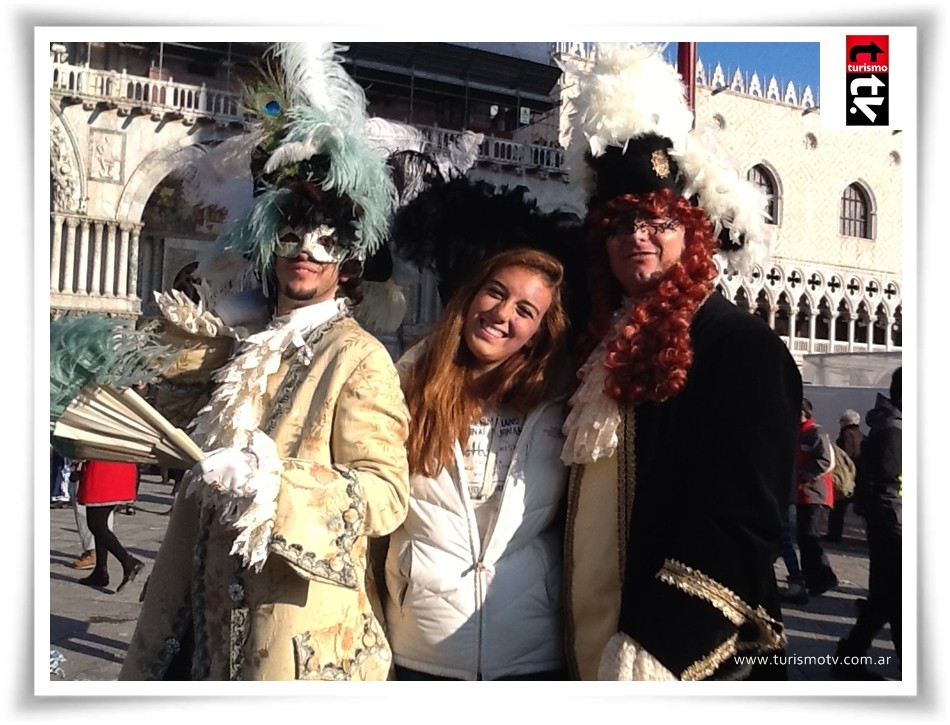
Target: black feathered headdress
column 453, row 226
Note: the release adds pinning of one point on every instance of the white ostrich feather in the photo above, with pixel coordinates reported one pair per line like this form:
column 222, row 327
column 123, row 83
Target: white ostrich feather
column 315, row 76
column 731, row 201
column 461, row 155
column 629, row 91
column 389, row 137
column 221, row 175
column 292, row 152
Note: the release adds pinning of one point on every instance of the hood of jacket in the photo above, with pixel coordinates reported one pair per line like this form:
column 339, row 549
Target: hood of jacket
column 884, row 414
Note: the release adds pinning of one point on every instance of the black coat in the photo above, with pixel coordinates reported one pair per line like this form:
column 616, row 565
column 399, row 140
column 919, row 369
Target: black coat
column 878, row 483
column 714, row 469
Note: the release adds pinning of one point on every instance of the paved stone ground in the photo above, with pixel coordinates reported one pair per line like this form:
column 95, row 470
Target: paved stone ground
column 91, row 628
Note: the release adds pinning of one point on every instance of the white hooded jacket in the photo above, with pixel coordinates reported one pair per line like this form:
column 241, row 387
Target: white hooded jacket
column 458, row 612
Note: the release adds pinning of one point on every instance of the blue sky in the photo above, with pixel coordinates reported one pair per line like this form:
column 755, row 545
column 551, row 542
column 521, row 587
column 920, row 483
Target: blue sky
column 795, row 62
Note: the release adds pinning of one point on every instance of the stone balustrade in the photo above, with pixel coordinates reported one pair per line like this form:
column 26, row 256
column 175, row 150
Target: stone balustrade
column 159, row 98
column 189, row 102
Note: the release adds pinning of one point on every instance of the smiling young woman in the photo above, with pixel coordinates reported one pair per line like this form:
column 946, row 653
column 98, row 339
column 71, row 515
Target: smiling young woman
column 473, row 576
column 505, row 314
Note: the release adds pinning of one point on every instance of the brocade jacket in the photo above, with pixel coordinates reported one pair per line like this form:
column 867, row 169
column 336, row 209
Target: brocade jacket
column 337, row 414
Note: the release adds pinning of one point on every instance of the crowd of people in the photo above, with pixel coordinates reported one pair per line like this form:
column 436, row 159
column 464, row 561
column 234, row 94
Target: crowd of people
column 528, row 493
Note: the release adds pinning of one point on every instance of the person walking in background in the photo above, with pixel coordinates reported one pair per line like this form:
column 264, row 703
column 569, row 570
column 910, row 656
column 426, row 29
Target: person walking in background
column 878, row 497
column 59, row 468
column 813, row 463
column 473, row 575
column 850, row 438
column 105, row 485
column 87, row 542
column 795, row 591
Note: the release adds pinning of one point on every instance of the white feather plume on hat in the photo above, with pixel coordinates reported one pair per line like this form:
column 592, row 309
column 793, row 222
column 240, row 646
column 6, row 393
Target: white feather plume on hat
column 732, row 202
column 630, row 91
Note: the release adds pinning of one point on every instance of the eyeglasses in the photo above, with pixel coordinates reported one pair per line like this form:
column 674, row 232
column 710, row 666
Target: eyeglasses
column 655, row 226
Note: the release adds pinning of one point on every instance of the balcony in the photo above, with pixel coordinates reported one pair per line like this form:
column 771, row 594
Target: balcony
column 129, row 94
column 161, row 99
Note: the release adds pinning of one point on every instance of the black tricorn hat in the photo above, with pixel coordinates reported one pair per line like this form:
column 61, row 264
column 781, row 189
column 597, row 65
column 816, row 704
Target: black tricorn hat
column 643, row 165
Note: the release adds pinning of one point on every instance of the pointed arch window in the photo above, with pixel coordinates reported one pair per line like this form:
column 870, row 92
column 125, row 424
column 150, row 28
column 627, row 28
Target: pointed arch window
column 855, row 212
column 762, row 176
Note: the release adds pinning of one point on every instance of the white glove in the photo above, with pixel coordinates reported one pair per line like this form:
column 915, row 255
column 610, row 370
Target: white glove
column 229, row 470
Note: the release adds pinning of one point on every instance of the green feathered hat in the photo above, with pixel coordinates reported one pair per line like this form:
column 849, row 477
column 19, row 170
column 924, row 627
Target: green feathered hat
column 309, row 159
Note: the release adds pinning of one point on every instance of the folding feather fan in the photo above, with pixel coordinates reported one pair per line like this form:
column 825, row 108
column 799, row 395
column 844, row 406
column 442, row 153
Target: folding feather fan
column 93, row 412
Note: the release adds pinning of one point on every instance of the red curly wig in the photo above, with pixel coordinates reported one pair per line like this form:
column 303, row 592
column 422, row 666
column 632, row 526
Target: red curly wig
column 651, row 356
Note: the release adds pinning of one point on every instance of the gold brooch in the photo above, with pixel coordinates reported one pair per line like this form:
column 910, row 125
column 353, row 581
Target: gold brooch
column 661, row 163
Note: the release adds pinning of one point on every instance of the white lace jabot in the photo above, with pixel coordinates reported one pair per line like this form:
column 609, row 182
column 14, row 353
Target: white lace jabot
column 592, row 424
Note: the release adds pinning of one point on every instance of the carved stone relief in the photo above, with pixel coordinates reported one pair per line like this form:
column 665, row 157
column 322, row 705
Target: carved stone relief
column 106, row 155
column 62, row 168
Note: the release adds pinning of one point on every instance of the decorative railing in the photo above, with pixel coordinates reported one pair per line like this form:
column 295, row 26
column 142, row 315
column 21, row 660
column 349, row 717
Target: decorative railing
column 190, row 102
column 150, row 95
column 503, row 152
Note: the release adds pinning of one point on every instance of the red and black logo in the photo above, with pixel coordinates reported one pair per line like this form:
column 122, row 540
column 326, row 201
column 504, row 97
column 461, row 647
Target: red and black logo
column 867, row 78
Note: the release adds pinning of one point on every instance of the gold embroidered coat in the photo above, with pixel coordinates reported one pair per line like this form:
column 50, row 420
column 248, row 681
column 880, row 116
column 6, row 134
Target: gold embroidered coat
column 340, row 424
column 672, row 540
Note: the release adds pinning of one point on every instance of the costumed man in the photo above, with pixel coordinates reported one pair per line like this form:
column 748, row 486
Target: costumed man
column 262, row 573
column 682, row 431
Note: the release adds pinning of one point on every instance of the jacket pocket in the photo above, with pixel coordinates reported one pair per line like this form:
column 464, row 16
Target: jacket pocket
column 349, row 651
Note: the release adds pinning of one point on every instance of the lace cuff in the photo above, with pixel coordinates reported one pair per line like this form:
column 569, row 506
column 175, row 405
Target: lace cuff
column 191, row 317
column 625, row 660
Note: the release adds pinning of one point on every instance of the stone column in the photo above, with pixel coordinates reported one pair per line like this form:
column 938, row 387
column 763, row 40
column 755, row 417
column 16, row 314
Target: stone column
column 122, row 287
column 70, row 256
column 82, row 283
column 158, row 260
column 108, row 284
column 792, row 318
column 889, row 334
column 56, row 252
column 812, row 322
column 851, row 320
column 134, row 262
column 97, row 259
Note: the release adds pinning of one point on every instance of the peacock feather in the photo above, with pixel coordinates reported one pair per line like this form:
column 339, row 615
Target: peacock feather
column 309, row 119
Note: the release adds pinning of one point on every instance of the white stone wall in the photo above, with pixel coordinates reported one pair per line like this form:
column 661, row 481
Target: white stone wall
column 812, row 180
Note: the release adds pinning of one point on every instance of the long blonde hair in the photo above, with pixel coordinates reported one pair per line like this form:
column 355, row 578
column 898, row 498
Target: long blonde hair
column 438, row 386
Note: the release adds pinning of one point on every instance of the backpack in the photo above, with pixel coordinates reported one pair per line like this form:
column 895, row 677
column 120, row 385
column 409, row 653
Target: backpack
column 842, row 475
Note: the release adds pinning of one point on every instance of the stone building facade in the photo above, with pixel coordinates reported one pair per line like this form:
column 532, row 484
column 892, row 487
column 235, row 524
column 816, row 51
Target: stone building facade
column 121, row 129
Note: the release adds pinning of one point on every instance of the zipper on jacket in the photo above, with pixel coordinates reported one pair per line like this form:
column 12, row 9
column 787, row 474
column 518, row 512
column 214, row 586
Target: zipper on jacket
column 478, row 555
column 473, row 541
